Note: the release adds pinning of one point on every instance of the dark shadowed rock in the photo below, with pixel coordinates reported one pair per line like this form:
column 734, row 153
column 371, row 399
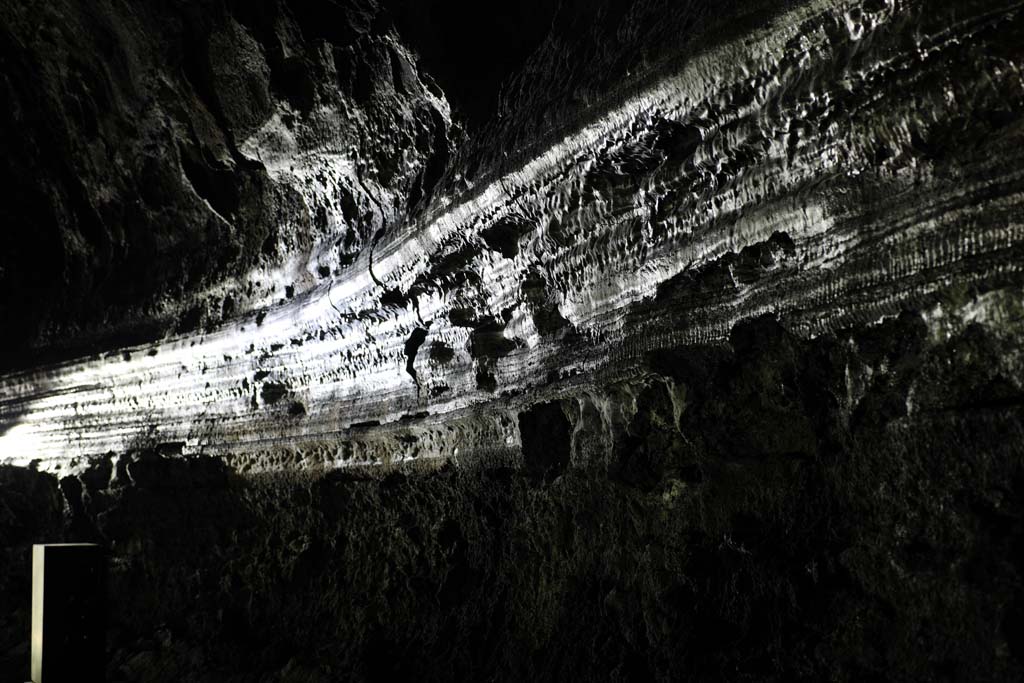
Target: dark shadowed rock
column 590, row 340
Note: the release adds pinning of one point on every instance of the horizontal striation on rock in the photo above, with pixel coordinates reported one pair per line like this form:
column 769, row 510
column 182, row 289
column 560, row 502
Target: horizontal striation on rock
column 845, row 162
column 175, row 166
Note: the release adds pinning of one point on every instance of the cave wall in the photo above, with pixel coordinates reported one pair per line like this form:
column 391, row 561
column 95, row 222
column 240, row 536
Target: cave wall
column 849, row 508
column 611, row 340
column 174, row 165
column 827, row 163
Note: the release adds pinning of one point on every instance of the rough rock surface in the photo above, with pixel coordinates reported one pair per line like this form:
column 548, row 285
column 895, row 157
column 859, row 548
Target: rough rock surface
column 828, row 163
column 173, row 166
column 579, row 340
column 848, row 509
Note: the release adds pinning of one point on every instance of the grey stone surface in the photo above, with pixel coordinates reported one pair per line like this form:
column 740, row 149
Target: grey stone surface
column 575, row 340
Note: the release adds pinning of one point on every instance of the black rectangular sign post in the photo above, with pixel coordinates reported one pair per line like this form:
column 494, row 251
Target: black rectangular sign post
column 67, row 613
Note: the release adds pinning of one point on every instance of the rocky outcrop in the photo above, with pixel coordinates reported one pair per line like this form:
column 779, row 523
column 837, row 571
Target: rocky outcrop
column 173, row 167
column 785, row 169
column 770, row 508
column 586, row 340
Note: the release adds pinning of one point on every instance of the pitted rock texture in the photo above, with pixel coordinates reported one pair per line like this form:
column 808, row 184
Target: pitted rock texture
column 770, row 509
column 173, row 166
column 831, row 163
column 629, row 341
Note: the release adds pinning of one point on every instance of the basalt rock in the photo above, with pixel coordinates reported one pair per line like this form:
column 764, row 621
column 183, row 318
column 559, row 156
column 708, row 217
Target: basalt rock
column 848, row 508
column 825, row 164
column 616, row 340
